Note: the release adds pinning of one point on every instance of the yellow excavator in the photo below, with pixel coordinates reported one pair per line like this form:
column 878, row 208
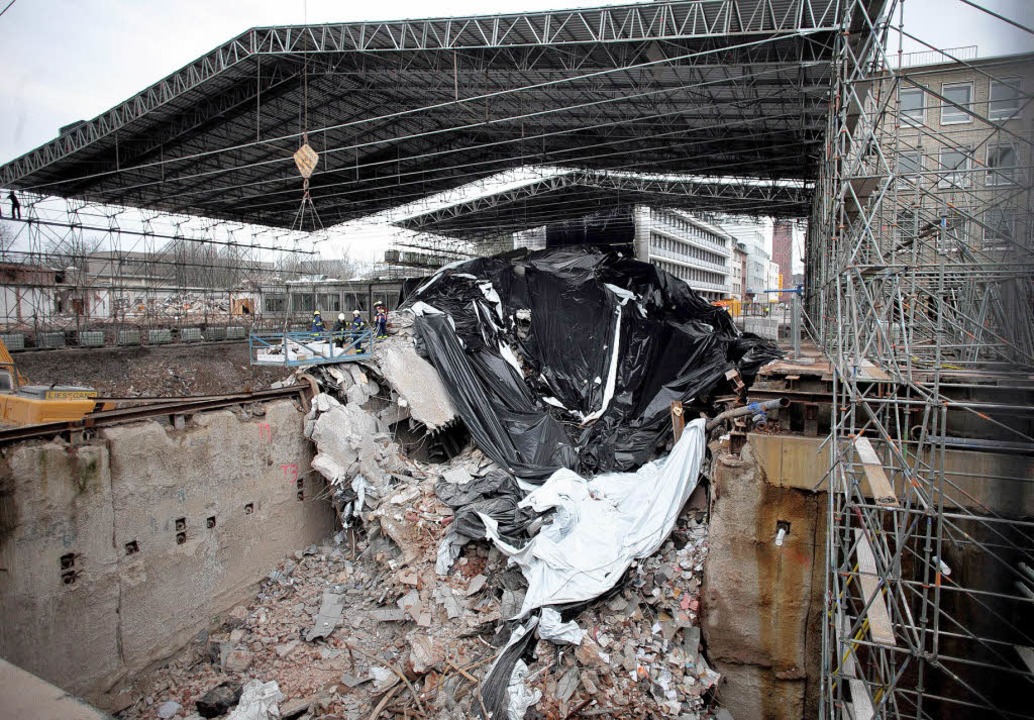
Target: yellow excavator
column 25, row 404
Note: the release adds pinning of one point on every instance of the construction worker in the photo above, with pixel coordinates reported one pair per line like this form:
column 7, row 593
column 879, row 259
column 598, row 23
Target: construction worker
column 357, row 327
column 380, row 321
column 339, row 330
column 317, row 323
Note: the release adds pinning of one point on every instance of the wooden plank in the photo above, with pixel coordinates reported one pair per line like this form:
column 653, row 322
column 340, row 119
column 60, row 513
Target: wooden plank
column 880, row 627
column 678, row 419
column 879, row 484
column 861, row 706
column 868, row 371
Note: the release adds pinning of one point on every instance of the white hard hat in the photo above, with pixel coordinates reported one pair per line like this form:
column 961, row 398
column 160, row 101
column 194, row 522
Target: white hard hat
column 340, row 316
column 355, row 312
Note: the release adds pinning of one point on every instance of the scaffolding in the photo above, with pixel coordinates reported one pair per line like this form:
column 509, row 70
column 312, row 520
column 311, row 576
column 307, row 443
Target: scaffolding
column 76, row 266
column 920, row 277
column 919, row 260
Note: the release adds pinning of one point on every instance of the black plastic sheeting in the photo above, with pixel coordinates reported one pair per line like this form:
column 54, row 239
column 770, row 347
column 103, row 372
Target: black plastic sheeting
column 495, row 696
column 671, row 345
column 496, row 495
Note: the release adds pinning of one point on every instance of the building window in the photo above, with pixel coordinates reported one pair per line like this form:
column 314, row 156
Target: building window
column 999, row 228
column 906, row 230
column 1001, row 165
column 1003, row 99
column 909, row 167
column 274, row 303
column 957, row 96
column 913, row 105
column 954, row 168
column 303, row 303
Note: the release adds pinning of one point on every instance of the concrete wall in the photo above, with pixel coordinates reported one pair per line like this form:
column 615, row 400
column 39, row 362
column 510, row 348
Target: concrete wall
column 23, row 695
column 115, row 553
column 977, row 480
column 762, row 603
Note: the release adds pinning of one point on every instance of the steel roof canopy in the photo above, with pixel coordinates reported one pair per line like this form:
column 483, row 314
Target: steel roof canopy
column 402, row 110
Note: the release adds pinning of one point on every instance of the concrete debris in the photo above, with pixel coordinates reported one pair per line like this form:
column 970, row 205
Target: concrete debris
column 425, row 653
column 237, row 661
column 419, row 643
column 295, row 708
column 457, row 476
column 168, row 709
column 416, row 381
column 330, row 613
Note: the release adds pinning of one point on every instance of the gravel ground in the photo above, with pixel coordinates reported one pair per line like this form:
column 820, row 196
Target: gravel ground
column 164, row 371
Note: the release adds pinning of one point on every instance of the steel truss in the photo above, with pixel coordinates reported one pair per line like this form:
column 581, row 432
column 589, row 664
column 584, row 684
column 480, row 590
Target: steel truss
column 73, row 265
column 567, row 193
column 922, row 299
column 402, row 110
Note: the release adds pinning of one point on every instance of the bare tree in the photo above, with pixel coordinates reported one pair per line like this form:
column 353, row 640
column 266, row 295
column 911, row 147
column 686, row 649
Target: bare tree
column 7, row 238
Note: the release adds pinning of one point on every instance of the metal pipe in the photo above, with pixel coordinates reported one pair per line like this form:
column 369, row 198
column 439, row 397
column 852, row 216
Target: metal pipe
column 753, row 408
column 977, row 443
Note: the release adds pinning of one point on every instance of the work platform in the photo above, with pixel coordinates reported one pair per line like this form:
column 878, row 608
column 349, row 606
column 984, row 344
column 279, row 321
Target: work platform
column 299, row 349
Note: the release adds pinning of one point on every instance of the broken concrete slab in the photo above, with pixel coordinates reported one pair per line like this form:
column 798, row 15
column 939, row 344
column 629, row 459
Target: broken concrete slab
column 457, row 476
column 416, row 380
column 425, row 652
column 476, row 584
column 444, row 596
column 285, row 649
column 295, row 708
column 238, row 660
column 388, row 615
column 329, row 614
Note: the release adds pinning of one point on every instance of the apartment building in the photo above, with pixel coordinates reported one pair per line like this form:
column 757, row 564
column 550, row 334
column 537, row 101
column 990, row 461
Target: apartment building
column 754, row 238
column 689, row 248
column 961, row 144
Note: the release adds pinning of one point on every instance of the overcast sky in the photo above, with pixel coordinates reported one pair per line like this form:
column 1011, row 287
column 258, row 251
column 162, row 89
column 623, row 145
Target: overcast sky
column 64, row 60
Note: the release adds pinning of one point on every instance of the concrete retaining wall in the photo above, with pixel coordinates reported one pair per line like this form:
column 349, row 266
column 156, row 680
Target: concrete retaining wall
column 762, row 603
column 114, row 554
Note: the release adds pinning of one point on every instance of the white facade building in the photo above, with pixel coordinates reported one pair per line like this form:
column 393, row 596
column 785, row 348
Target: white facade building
column 754, row 237
column 688, row 248
column 772, row 282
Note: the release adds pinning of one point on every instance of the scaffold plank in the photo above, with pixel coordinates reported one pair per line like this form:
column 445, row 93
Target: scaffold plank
column 880, row 627
column 879, row 483
column 861, row 705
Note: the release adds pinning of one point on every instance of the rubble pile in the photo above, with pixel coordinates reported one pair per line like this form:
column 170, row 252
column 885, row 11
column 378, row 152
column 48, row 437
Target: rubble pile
column 365, row 621
column 499, row 583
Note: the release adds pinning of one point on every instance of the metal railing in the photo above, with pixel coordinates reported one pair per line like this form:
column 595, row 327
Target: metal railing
column 299, row 349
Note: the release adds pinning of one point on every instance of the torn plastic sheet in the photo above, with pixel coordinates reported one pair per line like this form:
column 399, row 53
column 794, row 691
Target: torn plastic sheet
column 554, row 629
column 259, row 701
column 602, row 525
column 550, row 366
column 497, row 495
column 520, row 696
column 495, row 689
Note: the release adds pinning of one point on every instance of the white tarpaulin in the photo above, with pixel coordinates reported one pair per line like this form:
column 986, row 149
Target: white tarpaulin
column 601, row 525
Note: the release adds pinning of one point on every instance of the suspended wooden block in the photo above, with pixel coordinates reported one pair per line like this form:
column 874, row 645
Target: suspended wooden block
column 306, row 159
